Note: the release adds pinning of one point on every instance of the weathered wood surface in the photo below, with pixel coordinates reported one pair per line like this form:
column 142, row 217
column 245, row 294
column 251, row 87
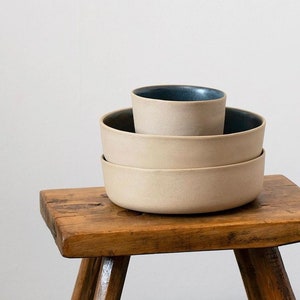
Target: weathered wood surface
column 87, row 277
column 111, row 278
column 101, row 278
column 263, row 274
column 85, row 223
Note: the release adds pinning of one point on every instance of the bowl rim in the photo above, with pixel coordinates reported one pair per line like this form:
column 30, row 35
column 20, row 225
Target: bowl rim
column 181, row 137
column 261, row 156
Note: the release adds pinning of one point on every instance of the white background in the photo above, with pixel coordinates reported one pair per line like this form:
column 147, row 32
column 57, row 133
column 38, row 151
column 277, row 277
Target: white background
column 64, row 63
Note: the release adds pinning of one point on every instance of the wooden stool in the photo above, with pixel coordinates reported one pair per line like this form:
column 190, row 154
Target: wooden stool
column 85, row 224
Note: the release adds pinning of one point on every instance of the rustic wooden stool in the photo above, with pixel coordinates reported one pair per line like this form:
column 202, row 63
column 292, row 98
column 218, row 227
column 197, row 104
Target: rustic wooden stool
column 85, row 224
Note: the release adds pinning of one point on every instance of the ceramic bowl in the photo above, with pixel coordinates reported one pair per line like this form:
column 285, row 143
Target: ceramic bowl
column 184, row 191
column 178, row 110
column 242, row 140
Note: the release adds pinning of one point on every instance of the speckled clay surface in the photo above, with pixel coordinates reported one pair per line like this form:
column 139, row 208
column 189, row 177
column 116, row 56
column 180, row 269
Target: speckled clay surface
column 184, row 191
column 242, row 141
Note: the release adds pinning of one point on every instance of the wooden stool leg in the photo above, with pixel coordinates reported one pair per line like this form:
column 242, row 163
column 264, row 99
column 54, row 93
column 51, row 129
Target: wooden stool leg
column 263, row 274
column 87, row 278
column 111, row 278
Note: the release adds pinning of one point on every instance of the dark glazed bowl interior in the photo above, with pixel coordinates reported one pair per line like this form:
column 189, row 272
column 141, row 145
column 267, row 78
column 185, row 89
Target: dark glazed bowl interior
column 179, row 93
column 236, row 120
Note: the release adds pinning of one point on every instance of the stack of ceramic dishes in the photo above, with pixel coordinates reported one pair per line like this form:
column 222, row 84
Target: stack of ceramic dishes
column 180, row 150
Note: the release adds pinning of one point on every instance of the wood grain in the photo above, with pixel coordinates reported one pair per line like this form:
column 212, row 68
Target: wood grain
column 263, row 274
column 111, row 278
column 85, row 223
column 86, row 279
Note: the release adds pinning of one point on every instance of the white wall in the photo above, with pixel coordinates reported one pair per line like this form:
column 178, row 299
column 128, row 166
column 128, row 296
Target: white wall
column 63, row 64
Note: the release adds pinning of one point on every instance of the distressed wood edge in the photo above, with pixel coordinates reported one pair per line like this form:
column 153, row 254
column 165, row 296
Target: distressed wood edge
column 65, row 242
column 195, row 241
column 51, row 222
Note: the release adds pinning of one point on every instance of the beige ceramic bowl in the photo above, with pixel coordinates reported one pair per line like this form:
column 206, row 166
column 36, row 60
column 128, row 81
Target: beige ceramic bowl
column 178, row 110
column 184, row 191
column 243, row 140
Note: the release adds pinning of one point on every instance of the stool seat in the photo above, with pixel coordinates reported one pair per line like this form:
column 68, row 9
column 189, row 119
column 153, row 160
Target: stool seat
column 86, row 224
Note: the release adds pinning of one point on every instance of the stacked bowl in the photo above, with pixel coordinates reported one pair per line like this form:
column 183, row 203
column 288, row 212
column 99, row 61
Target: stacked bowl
column 180, row 150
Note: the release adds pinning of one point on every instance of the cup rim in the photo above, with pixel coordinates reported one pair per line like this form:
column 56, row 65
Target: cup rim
column 136, row 94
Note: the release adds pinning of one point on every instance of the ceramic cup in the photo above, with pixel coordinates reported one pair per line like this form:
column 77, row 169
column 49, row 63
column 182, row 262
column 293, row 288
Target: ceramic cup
column 178, row 110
